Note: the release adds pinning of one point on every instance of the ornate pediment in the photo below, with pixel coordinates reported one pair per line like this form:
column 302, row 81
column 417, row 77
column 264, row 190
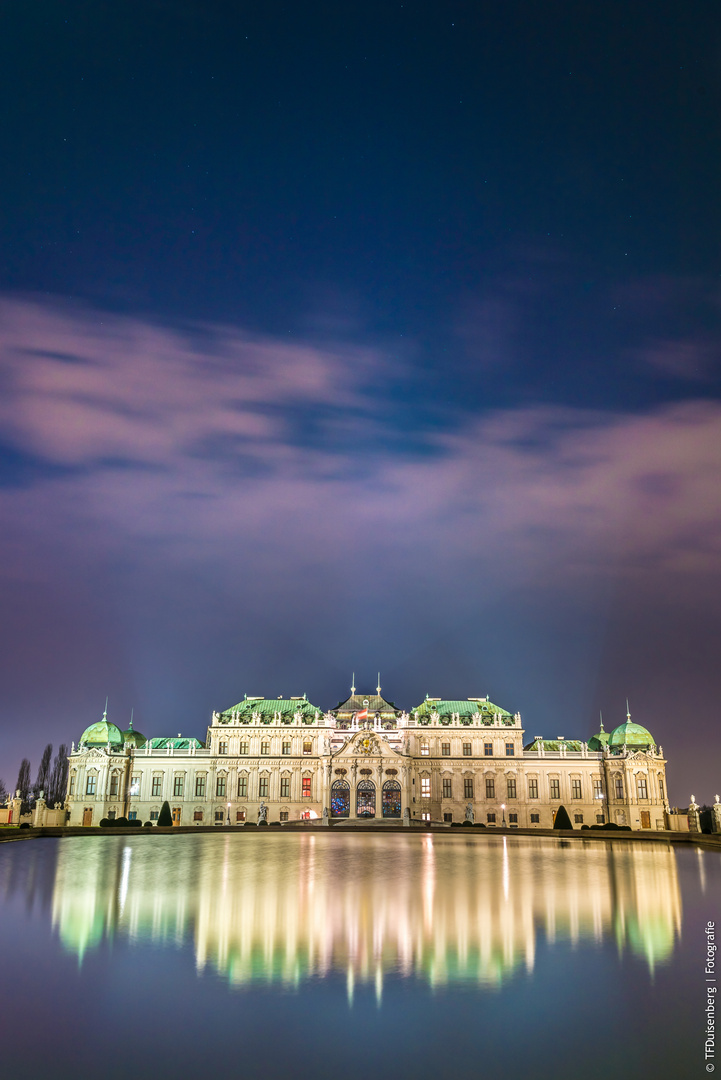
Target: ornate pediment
column 366, row 744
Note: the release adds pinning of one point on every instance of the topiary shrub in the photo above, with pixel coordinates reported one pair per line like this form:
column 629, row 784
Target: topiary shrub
column 24, row 824
column 456, row 824
column 480, row 825
column 467, row 823
column 165, row 817
column 148, row 825
column 135, row 823
column 120, row 822
column 261, row 823
column 585, row 826
column 562, row 821
column 105, row 823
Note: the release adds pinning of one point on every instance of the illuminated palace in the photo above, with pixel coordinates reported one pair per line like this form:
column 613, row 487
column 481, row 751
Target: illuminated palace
column 284, row 759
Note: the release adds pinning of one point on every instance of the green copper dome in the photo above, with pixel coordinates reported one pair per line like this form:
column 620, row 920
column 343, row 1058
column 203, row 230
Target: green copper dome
column 102, row 733
column 134, row 738
column 629, row 734
column 597, row 742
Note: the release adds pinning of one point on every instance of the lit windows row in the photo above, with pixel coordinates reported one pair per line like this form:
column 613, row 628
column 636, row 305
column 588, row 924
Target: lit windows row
column 286, row 747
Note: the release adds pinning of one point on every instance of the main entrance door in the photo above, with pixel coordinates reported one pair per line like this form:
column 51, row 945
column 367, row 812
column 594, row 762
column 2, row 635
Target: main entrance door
column 645, row 819
column 391, row 799
column 87, row 817
column 366, row 799
column 340, row 799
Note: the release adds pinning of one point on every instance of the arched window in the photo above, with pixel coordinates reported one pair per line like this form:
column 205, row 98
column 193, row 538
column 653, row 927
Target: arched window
column 391, row 799
column 366, row 799
column 340, row 799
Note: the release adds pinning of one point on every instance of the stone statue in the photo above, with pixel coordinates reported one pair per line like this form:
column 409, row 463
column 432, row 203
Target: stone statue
column 326, row 820
column 407, row 817
column 262, row 813
column 326, row 744
column 469, row 813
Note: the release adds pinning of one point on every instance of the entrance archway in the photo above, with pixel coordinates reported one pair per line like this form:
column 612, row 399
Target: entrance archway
column 340, row 799
column 391, row 799
column 366, row 799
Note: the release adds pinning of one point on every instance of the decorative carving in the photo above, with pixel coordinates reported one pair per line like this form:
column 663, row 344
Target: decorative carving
column 262, row 813
column 469, row 813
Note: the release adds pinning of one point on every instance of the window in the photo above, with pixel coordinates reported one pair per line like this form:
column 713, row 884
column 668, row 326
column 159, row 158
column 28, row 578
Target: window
column 307, row 747
column 598, row 789
column 284, row 815
column 219, row 817
column 285, row 787
column 391, row 799
column 113, row 785
column 448, row 817
column 555, row 788
column 491, row 818
column 510, row 749
column 425, row 749
column 599, row 819
column 175, row 812
column 468, row 788
column 340, row 799
column 178, row 784
column 244, row 748
column 511, row 789
column 72, row 784
column 157, row 788
column 447, row 788
column 90, row 787
column 263, row 787
column 660, row 788
column 198, row 815
column 513, row 819
column 490, row 788
column 533, row 789
column 286, row 747
column 535, row 818
column 578, row 818
column 642, row 787
column 154, row 814
column 425, row 787
column 467, row 749
column 111, row 815
column 488, row 749
column 134, row 785
column 575, row 789
column 223, row 748
column 425, row 817
column 132, row 815
column 305, row 791
column 199, row 787
column 240, row 815
column 445, row 749
column 265, row 748
column 220, row 787
column 242, row 787
column 618, row 786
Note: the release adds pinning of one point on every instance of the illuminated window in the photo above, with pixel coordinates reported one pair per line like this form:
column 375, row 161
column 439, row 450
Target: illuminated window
column 113, row 785
column 467, row 749
column 244, row 748
column 447, row 788
column 660, row 788
column 618, row 785
column 490, row 788
column 425, row 787
column 178, row 785
column 491, row 818
column 445, row 749
column 533, row 789
column 72, row 784
column 642, row 787
column 242, row 787
column 176, row 815
column 223, row 748
column 285, row 787
column 340, row 798
column 132, row 815
column 135, row 785
column 240, row 815
column 510, row 749
column 598, row 789
column 157, row 788
column 555, row 788
column 425, row 816
column 511, row 784
column 468, row 789
column 425, row 749
column 488, row 749
column 198, row 815
column 284, row 815
column 265, row 748
column 263, row 787
column 199, row 787
column 535, row 818
column 575, row 789
column 306, row 787
column 220, row 787
column 90, row 787
column 307, row 747
column 286, row 747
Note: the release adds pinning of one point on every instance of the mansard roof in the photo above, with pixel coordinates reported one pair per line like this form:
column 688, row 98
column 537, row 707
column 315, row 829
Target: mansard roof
column 268, row 706
column 374, row 703
column 175, row 744
column 469, row 707
column 555, row 745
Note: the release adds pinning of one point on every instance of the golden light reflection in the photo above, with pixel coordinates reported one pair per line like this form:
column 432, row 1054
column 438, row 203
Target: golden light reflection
column 289, row 907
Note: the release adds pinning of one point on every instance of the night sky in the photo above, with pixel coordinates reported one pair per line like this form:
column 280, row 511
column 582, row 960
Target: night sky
column 351, row 336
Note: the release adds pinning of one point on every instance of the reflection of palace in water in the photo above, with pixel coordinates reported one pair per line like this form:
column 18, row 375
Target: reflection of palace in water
column 442, row 909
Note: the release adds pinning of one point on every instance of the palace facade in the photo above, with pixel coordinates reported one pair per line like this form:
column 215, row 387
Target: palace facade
column 284, row 759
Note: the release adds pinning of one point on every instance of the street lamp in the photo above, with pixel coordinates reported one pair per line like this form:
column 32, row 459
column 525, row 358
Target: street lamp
column 228, row 813
column 503, row 808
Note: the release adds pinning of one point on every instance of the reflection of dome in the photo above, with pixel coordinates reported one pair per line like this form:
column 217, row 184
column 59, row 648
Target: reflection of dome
column 629, row 734
column 133, row 738
column 101, row 734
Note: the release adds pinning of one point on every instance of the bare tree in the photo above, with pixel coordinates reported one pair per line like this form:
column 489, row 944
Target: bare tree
column 23, row 784
column 41, row 780
column 58, row 781
column 3, row 791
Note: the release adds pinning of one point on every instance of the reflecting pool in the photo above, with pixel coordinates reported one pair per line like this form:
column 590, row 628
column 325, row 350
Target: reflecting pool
column 317, row 954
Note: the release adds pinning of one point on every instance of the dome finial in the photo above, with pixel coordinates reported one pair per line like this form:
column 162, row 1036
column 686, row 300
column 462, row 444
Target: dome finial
column 378, row 687
column 601, row 716
column 628, row 711
column 131, row 719
column 105, row 711
column 352, row 685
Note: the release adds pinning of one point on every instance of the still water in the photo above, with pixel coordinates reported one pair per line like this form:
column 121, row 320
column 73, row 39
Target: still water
column 317, row 955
